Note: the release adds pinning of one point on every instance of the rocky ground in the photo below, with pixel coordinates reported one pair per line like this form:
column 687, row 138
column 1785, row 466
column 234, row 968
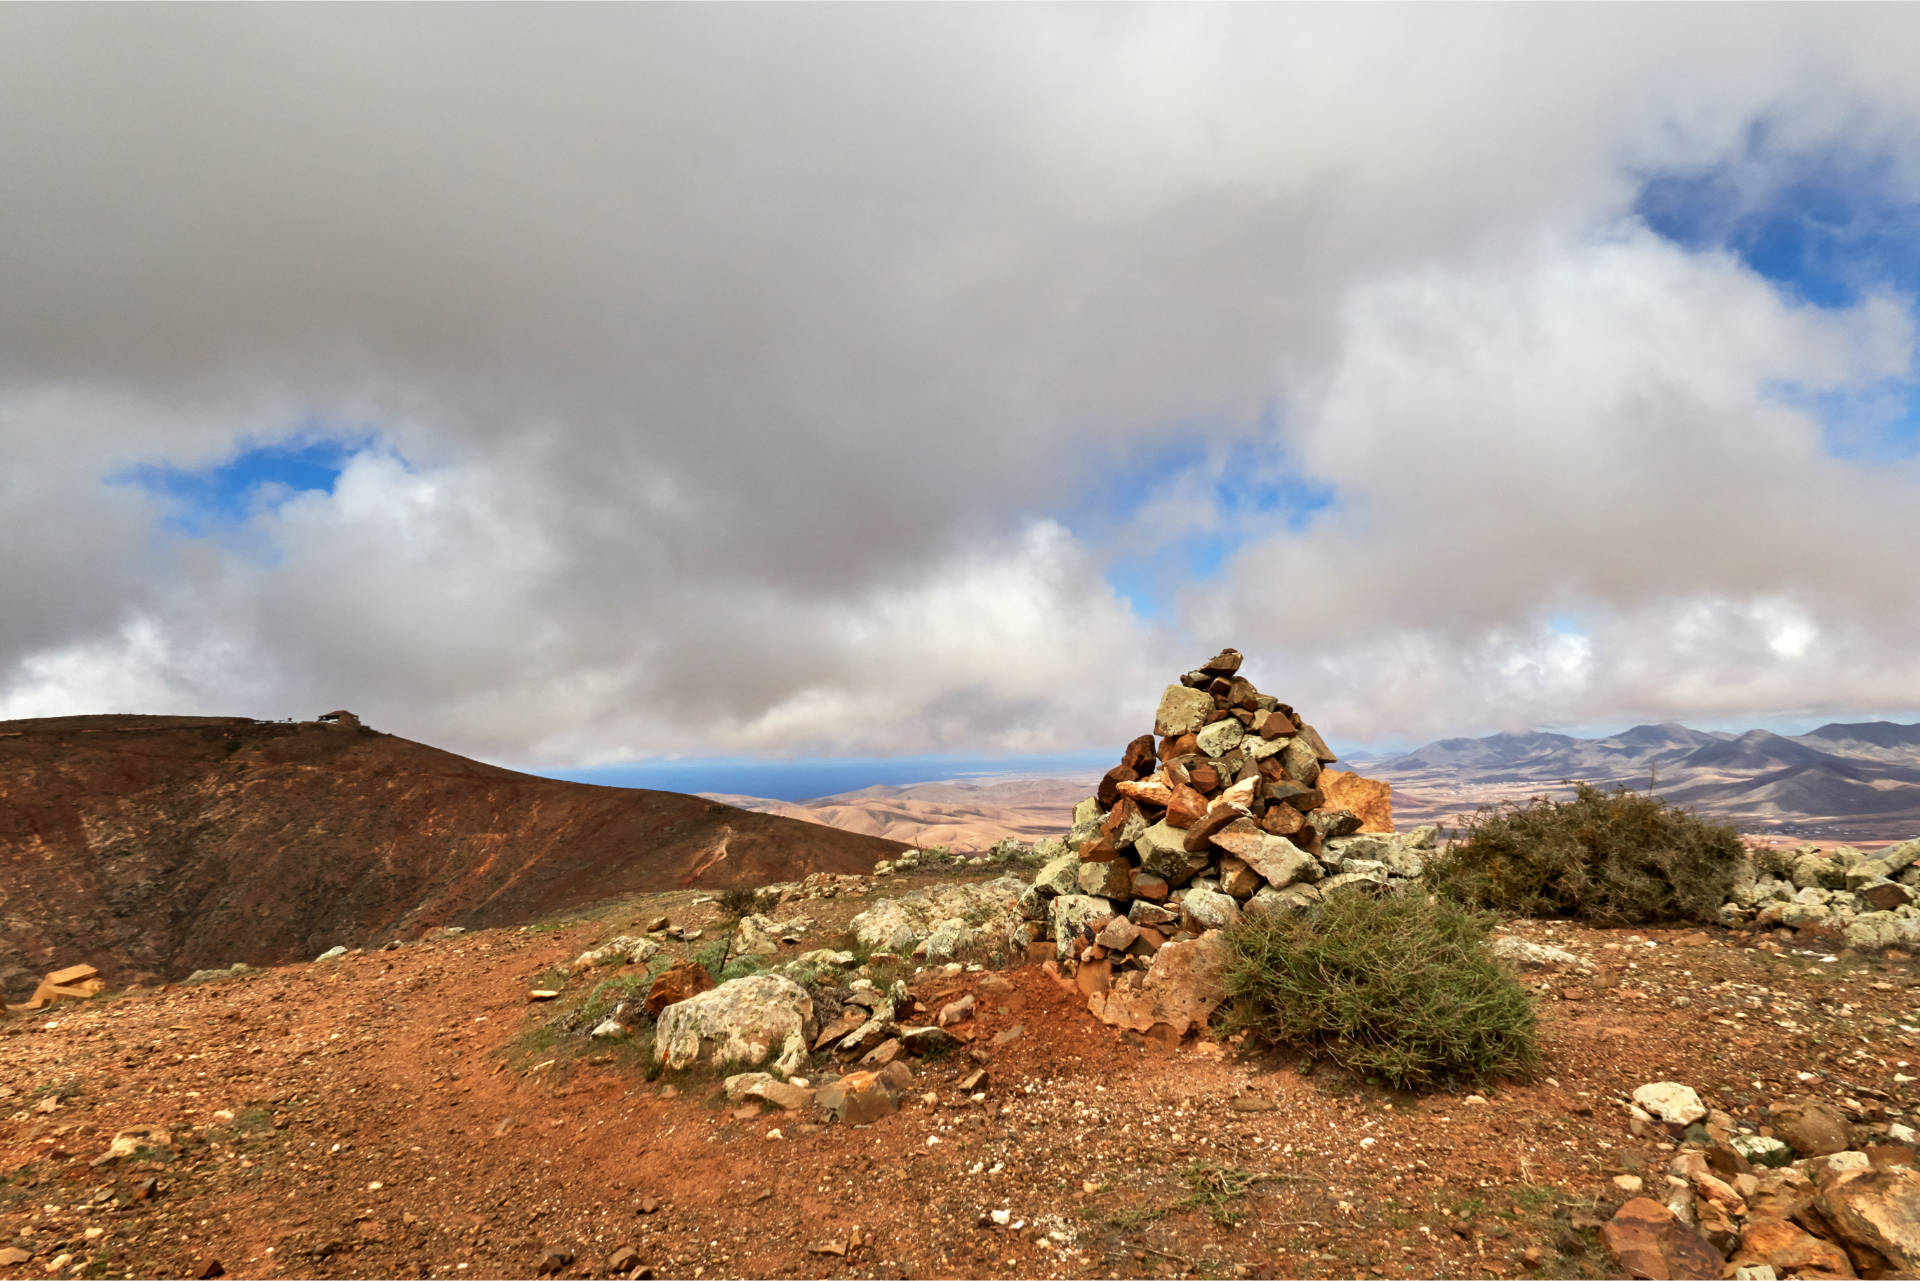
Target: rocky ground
column 412, row 1112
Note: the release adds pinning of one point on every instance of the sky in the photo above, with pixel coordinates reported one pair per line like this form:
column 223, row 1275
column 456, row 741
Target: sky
column 590, row 386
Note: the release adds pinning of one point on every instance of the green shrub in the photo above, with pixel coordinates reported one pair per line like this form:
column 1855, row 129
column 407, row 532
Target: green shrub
column 740, row 967
column 737, row 900
column 1610, row 858
column 1396, row 988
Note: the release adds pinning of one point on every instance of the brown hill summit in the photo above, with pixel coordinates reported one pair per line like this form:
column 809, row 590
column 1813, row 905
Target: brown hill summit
column 153, row 845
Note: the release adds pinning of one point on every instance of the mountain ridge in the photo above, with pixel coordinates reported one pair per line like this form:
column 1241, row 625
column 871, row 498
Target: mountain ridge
column 150, row 846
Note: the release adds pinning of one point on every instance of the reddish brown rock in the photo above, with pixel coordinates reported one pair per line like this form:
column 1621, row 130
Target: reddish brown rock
column 1139, row 756
column 1204, row 778
column 1200, row 834
column 1179, row 745
column 1648, row 1242
column 859, row 1098
column 1813, row 1126
column 1309, row 839
column 1225, row 663
column 1281, row 820
column 1152, row 888
column 1109, row 789
column 1272, row 725
column 681, row 980
column 1242, row 694
column 1185, row 807
column 1124, row 822
column 1371, row 800
column 1101, row 849
column 1790, row 1251
column 1298, row 795
column 1094, row 977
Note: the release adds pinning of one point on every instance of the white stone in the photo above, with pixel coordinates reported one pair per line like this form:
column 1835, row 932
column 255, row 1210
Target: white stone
column 1667, row 1101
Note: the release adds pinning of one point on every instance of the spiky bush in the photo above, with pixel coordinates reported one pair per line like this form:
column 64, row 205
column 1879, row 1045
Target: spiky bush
column 1605, row 857
column 1398, row 989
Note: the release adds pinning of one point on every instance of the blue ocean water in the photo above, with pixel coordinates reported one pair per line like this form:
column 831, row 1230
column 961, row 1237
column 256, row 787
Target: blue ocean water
column 805, row 780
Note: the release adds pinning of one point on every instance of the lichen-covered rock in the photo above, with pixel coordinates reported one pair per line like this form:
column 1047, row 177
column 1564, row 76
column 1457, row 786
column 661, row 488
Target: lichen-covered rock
column 1221, row 737
column 1060, row 876
column 1291, row 901
column 887, row 926
column 898, row 925
column 762, row 936
column 1069, row 914
column 1206, row 909
column 1182, row 711
column 948, row 937
column 1275, row 858
column 744, row 1023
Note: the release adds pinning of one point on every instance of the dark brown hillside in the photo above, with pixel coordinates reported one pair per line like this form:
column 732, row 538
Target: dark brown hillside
column 150, row 846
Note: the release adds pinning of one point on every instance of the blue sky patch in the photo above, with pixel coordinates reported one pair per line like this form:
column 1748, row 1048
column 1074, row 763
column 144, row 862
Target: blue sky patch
column 205, row 501
column 1826, row 228
column 1238, row 488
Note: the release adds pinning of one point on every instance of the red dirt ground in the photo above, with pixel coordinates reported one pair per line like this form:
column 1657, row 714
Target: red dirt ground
column 388, row 1119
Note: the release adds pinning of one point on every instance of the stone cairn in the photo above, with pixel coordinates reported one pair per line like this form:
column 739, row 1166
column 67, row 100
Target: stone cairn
column 1233, row 811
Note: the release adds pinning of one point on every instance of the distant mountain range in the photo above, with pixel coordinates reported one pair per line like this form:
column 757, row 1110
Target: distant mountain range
column 1843, row 782
column 1856, row 781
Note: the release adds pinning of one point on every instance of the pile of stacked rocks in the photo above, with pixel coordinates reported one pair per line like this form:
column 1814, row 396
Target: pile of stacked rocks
column 1233, row 810
column 1865, row 901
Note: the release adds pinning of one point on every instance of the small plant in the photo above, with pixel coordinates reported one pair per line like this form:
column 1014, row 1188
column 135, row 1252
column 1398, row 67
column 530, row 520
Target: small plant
column 712, row 958
column 740, row 967
column 1215, row 1188
column 1610, row 858
column 1397, row 988
column 738, row 900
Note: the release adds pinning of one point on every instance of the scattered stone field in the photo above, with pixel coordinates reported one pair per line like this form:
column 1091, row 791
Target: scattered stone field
column 413, row 1112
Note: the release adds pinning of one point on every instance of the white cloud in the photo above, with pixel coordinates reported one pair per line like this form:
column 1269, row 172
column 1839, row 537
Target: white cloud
column 745, row 361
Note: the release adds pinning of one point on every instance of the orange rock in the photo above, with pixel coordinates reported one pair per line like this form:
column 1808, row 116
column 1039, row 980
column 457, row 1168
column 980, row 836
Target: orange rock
column 1649, row 1243
column 1788, row 1250
column 1370, row 799
column 680, row 981
column 1149, row 791
column 1185, row 807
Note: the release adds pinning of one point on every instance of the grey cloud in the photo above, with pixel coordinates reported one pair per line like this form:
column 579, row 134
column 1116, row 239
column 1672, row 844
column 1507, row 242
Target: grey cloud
column 738, row 349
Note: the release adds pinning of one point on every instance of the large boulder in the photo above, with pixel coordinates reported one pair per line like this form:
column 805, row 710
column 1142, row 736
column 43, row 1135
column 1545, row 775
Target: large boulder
column 1370, row 799
column 742, row 1024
